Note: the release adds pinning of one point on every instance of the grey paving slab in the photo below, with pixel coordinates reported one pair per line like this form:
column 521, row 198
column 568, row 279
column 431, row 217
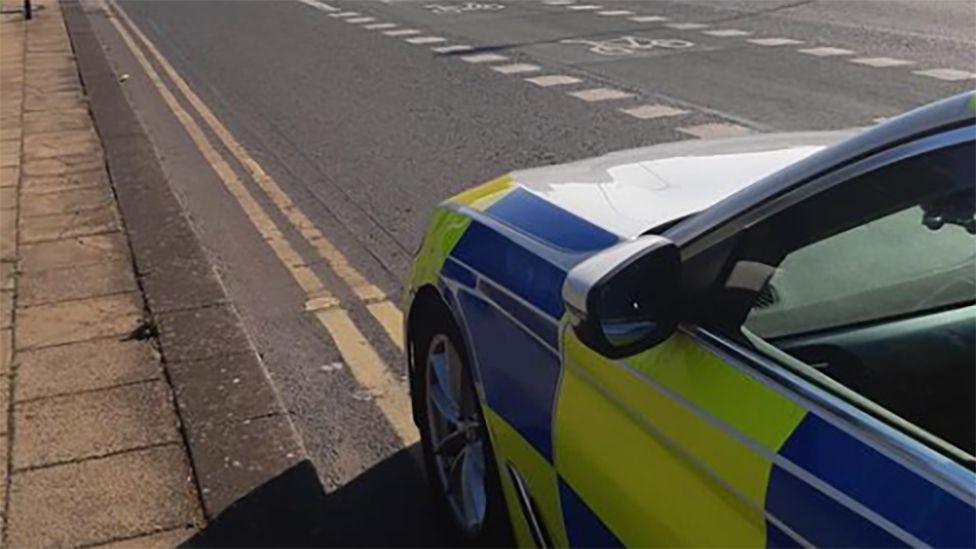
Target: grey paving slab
column 197, row 334
column 92, row 424
column 66, row 225
column 76, row 282
column 73, row 252
column 79, row 320
column 84, row 366
column 182, row 283
column 234, row 459
column 223, row 389
column 67, row 201
column 101, row 500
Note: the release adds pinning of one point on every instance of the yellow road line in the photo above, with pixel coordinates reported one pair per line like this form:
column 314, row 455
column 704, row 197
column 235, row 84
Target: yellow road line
column 363, row 289
column 366, row 366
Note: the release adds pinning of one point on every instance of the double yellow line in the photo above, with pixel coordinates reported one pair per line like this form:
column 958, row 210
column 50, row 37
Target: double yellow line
column 389, row 392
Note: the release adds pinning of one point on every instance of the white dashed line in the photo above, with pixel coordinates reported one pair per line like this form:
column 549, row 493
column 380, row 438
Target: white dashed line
column 453, row 49
column 725, row 33
column 402, row 32
column 774, row 41
column 600, row 94
column 361, row 20
column 947, row 74
column 613, row 13
column 319, row 5
column 881, row 119
column 881, row 62
column 484, row 58
column 712, row 131
column 584, row 7
column 344, row 14
column 553, row 80
column 517, row 68
column 686, row 26
column 826, row 51
column 647, row 18
column 645, row 112
column 426, row 40
column 378, row 26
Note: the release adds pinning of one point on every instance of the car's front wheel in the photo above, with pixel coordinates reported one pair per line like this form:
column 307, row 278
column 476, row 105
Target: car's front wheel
column 457, row 451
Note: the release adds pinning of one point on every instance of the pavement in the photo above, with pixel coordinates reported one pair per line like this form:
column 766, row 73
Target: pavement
column 305, row 142
column 92, row 447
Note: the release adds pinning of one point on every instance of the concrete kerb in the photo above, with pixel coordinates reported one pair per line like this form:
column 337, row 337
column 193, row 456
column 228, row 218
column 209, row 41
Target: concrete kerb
column 235, row 447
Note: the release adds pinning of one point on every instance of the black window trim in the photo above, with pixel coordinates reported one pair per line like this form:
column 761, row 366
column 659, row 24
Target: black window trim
column 757, row 213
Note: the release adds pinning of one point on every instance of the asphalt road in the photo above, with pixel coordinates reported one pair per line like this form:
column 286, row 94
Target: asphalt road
column 366, row 131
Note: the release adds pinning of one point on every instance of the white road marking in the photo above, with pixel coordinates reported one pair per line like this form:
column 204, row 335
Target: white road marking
column 686, row 26
column 378, row 26
column 358, row 20
column 319, row 5
column 600, row 94
column 613, row 13
column 439, row 9
column 558, row 2
column 553, row 80
column 629, row 45
column 774, row 41
column 484, row 58
column 344, row 14
column 880, row 62
column 426, row 40
column 826, row 51
column 725, row 33
column 402, row 32
column 647, row 18
column 453, row 49
column 584, row 7
column 715, row 130
column 645, row 112
column 947, row 74
column 881, row 119
column 516, row 68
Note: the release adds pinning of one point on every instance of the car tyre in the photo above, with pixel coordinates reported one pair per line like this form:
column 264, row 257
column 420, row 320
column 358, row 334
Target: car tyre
column 438, row 337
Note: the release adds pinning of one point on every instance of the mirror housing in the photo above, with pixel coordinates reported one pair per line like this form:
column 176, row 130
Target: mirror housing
column 626, row 299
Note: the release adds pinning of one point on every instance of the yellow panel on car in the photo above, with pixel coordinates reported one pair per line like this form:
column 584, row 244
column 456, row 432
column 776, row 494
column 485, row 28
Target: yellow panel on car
column 660, row 458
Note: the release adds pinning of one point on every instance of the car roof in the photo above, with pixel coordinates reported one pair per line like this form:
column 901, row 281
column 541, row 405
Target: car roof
column 950, row 112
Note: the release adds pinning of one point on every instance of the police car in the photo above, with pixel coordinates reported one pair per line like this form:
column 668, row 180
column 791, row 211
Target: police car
column 756, row 341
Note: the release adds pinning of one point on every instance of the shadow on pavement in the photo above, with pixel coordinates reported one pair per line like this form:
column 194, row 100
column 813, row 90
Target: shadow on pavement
column 387, row 506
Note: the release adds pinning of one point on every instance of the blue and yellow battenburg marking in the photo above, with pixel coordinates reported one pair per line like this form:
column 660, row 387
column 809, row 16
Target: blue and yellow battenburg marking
column 673, row 446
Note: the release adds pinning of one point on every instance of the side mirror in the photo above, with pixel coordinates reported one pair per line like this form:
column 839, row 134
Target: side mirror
column 626, row 299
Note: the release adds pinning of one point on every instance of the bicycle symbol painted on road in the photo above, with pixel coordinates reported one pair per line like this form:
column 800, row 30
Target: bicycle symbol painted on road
column 440, row 9
column 629, row 45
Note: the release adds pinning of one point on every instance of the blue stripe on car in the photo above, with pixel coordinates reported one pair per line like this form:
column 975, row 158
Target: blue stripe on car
column 542, row 326
column 453, row 270
column 583, row 527
column 776, row 537
column 553, row 225
column 519, row 374
column 514, row 267
column 819, row 518
column 903, row 497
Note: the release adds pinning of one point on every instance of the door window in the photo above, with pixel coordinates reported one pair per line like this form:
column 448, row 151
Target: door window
column 872, row 284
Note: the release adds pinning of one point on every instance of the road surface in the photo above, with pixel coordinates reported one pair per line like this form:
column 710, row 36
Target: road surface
column 363, row 115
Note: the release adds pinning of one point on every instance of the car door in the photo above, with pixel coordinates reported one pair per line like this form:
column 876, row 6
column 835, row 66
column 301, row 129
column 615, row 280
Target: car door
column 824, row 396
